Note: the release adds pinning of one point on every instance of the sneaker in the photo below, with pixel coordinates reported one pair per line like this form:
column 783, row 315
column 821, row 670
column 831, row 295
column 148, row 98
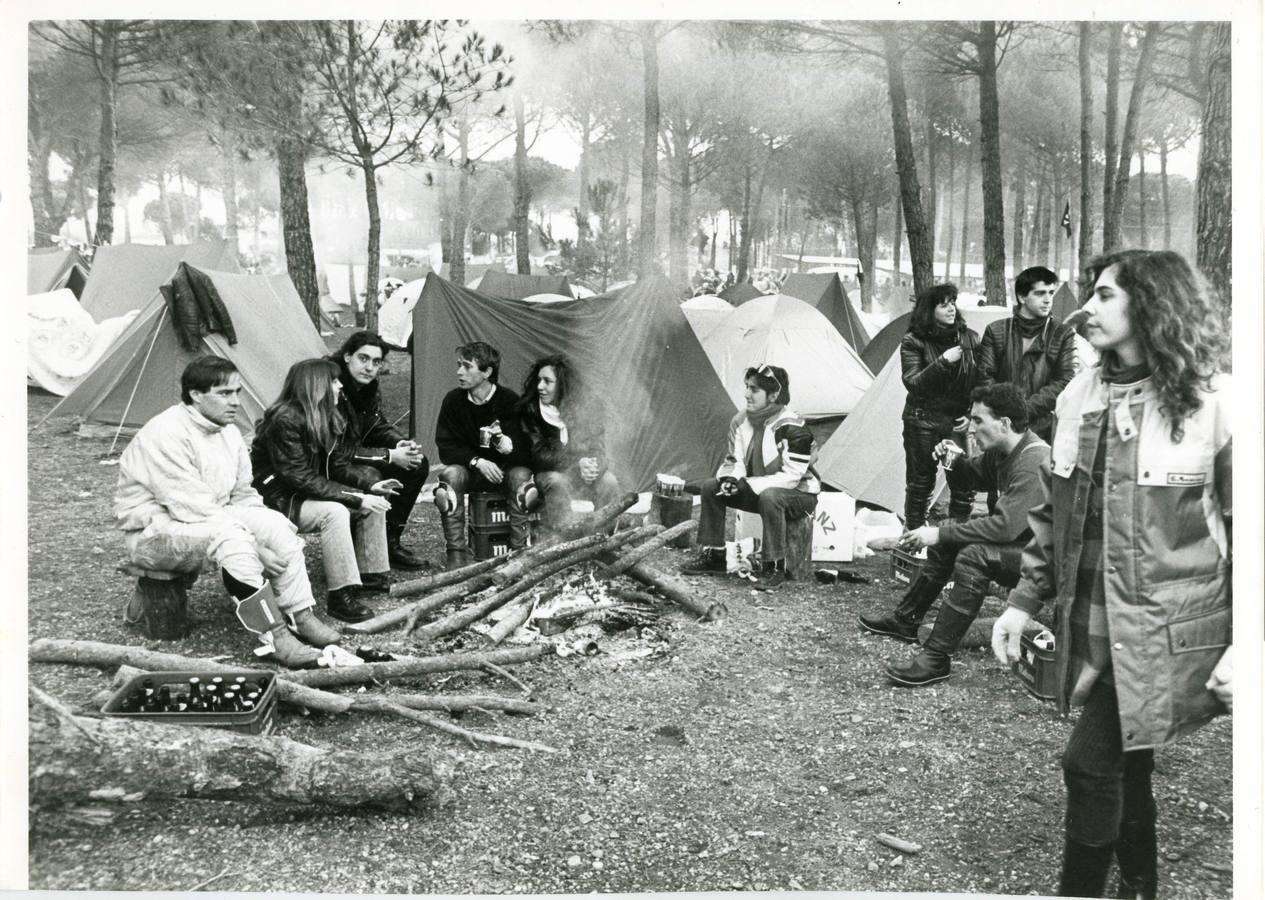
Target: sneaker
column 891, row 625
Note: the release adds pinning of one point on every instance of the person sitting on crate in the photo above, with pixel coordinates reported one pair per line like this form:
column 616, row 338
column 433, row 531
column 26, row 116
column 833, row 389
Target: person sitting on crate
column 184, row 496
column 768, row 469
column 979, row 551
column 565, row 430
column 377, row 445
column 480, row 447
column 302, row 462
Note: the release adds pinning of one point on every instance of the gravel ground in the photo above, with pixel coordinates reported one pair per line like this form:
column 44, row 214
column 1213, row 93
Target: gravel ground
column 764, row 753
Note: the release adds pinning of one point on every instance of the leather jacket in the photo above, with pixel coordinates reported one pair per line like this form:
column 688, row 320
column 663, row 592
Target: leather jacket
column 1040, row 374
column 939, row 391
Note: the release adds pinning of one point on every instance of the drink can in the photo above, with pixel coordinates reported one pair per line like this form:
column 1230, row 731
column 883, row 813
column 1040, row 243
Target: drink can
column 485, row 437
column 951, row 454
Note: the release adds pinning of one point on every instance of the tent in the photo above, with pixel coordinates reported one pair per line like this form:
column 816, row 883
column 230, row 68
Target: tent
column 1065, row 302
column 884, row 344
column 547, row 298
column 740, row 293
column 62, row 341
column 827, row 294
column 395, row 315
column 705, row 312
column 140, row 374
column 666, row 409
column 125, row 277
column 51, row 268
column 827, row 375
column 516, row 287
column 866, row 455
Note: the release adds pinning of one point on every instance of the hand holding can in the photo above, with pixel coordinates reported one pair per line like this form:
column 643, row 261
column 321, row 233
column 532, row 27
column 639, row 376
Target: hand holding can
column 949, row 454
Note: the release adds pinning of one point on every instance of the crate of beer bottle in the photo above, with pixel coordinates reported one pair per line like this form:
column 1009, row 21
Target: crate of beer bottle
column 907, row 566
column 1036, row 665
column 243, row 701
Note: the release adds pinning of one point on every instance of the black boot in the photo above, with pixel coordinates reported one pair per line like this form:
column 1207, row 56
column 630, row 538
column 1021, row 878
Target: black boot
column 1136, row 857
column 710, row 561
column 456, row 542
column 771, row 575
column 903, row 622
column 375, row 583
column 400, row 556
column 1084, row 869
column 931, row 664
column 343, row 605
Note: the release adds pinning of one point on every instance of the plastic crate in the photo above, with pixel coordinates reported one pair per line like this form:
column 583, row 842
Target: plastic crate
column 1036, row 669
column 489, row 509
column 906, row 566
column 256, row 721
column 487, row 542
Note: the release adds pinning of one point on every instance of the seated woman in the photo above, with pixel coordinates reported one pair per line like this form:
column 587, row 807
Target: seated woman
column 304, row 469
column 768, row 469
column 566, row 434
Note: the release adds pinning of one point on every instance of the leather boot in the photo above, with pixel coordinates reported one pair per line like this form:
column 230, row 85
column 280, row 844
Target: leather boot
column 456, row 541
column 400, row 556
column 902, row 623
column 342, row 604
column 1085, row 869
column 710, row 561
column 375, row 583
column 312, row 630
column 1136, row 857
column 262, row 617
column 931, row 664
column 771, row 575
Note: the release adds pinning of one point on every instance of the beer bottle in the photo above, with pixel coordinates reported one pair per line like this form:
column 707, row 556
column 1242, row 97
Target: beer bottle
column 212, row 694
column 239, row 682
column 195, row 689
column 148, row 696
column 164, row 699
column 230, row 700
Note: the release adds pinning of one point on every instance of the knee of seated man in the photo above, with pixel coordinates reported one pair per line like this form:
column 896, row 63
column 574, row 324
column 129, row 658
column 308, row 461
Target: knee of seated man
column 972, row 561
column 549, row 480
column 769, row 502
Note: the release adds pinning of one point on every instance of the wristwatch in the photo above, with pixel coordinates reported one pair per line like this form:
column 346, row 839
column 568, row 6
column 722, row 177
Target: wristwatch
column 474, row 462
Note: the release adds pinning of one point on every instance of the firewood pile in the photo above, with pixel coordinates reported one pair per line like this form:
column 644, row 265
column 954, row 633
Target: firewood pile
column 560, row 597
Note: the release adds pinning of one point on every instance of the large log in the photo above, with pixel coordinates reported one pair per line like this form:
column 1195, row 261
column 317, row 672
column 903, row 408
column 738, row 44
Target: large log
column 543, row 554
column 75, row 759
column 443, row 579
column 411, row 612
column 678, row 592
column 637, row 554
column 511, row 622
column 372, row 673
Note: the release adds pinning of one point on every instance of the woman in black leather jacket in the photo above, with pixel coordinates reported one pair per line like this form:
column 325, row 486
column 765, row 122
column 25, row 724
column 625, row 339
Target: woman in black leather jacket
column 937, row 360
column 303, row 468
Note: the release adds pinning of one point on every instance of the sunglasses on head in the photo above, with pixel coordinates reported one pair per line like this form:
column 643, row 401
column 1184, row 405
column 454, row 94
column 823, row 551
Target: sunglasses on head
column 767, row 372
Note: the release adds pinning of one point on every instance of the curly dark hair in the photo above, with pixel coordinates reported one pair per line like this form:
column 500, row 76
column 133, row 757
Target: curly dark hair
column 563, row 372
column 923, row 322
column 1177, row 321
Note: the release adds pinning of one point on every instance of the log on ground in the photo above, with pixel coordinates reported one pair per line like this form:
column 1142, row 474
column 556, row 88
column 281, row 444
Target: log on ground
column 678, row 591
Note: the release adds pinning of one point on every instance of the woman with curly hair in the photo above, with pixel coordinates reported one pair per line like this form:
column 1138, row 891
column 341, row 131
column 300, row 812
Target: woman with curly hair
column 1133, row 546
column 566, row 434
column 303, row 468
column 937, row 360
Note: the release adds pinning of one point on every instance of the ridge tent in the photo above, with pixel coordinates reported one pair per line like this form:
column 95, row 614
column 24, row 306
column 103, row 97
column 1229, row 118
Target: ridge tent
column 826, row 293
column 125, row 277
column 666, row 410
column 705, row 312
column 1065, row 302
column 740, row 293
column 547, row 298
column 827, row 375
column 395, row 315
column 883, row 345
column 51, row 268
column 139, row 376
column 518, row 287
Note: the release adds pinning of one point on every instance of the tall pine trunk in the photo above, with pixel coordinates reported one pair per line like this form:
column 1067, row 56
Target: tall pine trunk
column 461, row 214
column 1111, row 128
column 966, row 210
column 228, row 190
column 1144, row 239
column 522, row 191
column 920, row 251
column 647, row 262
column 1142, row 75
column 375, row 240
column 744, row 226
column 108, row 70
column 990, row 144
column 582, row 211
column 1213, row 231
column 1020, row 197
column 164, row 209
column 1083, row 53
column 296, row 228
column 948, row 238
column 898, row 239
column 1164, row 201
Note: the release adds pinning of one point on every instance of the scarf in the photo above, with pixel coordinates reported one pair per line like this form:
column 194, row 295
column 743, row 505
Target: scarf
column 755, row 458
column 1028, row 328
column 1113, row 371
column 553, row 417
column 944, row 336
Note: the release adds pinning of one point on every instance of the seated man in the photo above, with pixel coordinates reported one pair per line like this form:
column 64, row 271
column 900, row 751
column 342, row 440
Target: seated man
column 184, row 496
column 379, row 446
column 977, row 551
column 768, row 470
column 480, row 448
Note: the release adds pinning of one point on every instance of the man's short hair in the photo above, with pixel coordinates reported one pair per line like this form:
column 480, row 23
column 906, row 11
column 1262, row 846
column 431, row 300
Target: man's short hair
column 485, row 356
column 204, row 373
column 358, row 339
column 1031, row 277
column 1004, row 401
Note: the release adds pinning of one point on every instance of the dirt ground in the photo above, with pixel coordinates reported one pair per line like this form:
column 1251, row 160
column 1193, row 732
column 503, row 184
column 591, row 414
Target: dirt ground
column 763, row 753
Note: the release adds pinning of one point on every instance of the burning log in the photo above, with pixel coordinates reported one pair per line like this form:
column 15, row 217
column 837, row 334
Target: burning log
column 76, row 759
column 514, row 620
column 601, row 518
column 678, row 592
column 639, row 553
column 409, row 613
column 443, row 579
column 460, row 619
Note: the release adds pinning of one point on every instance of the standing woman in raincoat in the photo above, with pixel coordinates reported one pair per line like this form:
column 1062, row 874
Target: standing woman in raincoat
column 1133, row 546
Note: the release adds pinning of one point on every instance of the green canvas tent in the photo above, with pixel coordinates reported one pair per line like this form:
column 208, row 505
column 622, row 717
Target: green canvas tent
column 666, row 408
column 125, row 277
column 139, row 376
column 51, row 268
column 519, row 287
column 740, row 293
column 826, row 292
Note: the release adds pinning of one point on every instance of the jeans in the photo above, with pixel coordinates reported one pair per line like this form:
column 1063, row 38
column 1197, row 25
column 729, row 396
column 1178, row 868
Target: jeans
column 972, row 568
column 352, row 540
column 404, row 500
column 773, row 504
column 1105, row 785
column 462, row 481
column 920, row 474
column 230, row 541
column 558, row 489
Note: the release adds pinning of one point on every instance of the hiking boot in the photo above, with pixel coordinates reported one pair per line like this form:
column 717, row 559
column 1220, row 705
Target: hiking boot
column 710, row 561
column 312, row 630
column 342, row 604
column 402, row 557
column 927, row 667
column 375, row 583
column 891, row 625
column 770, row 575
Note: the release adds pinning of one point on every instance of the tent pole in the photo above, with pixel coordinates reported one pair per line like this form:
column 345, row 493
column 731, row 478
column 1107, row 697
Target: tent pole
column 145, row 362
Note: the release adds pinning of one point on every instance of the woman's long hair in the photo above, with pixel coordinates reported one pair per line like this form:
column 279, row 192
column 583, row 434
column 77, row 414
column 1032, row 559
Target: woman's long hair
column 307, row 390
column 566, row 390
column 1177, row 323
column 923, row 321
